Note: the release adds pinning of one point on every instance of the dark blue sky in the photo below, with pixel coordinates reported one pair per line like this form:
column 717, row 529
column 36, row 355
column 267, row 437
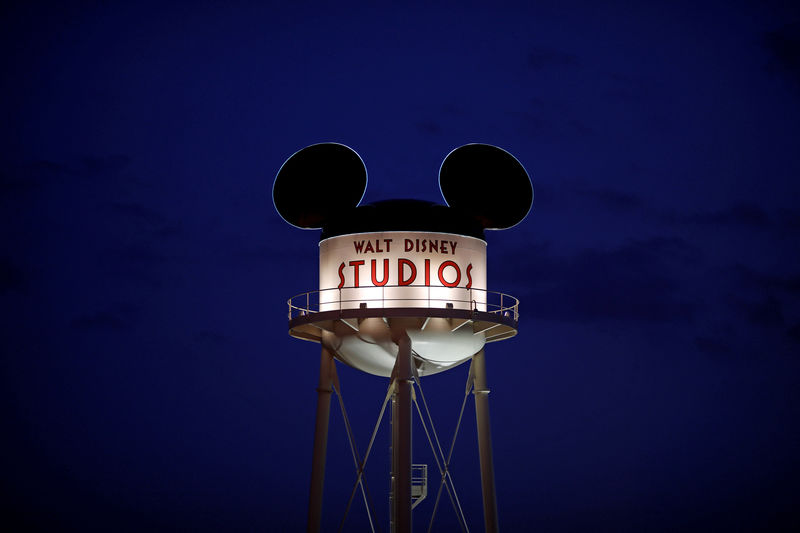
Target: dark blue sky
column 148, row 382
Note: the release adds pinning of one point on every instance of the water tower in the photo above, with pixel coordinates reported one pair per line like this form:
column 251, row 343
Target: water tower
column 402, row 294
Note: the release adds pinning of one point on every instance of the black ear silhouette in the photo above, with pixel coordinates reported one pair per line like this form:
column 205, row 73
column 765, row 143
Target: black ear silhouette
column 488, row 183
column 318, row 181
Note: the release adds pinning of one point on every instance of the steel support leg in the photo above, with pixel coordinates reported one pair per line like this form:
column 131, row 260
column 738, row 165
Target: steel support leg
column 481, row 392
column 401, row 438
column 320, row 441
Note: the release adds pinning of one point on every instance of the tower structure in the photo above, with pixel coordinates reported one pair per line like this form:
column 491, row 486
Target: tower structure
column 403, row 294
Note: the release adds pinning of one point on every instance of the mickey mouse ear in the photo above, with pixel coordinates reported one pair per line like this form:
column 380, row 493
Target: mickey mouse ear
column 487, row 182
column 317, row 181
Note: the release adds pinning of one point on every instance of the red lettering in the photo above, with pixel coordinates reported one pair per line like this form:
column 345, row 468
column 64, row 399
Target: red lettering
column 400, row 264
column 341, row 276
column 427, row 272
column 409, row 245
column 441, row 274
column 385, row 273
column 359, row 246
column 356, row 265
column 469, row 275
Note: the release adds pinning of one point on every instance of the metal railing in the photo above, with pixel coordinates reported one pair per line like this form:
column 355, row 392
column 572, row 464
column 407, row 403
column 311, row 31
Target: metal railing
column 419, row 484
column 405, row 296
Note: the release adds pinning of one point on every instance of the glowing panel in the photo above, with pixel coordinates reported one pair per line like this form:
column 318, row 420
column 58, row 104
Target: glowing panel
column 402, row 269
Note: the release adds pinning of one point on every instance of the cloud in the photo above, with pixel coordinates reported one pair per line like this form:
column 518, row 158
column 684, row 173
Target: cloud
column 790, row 218
column 753, row 279
column 566, row 195
column 546, row 196
column 272, row 252
column 430, row 127
column 536, row 124
column 743, row 214
column 101, row 320
column 11, row 276
column 764, row 302
column 213, row 338
column 628, row 86
column 104, row 165
column 140, row 263
column 794, row 332
column 766, row 312
column 532, row 125
column 138, row 254
column 764, row 299
column 641, row 281
column 138, row 211
column 25, row 178
column 612, row 199
column 144, row 218
column 117, row 317
column 14, row 186
column 713, row 347
column 783, row 45
column 544, row 58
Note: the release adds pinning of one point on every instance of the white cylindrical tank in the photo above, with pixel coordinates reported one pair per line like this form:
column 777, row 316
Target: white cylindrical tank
column 403, row 270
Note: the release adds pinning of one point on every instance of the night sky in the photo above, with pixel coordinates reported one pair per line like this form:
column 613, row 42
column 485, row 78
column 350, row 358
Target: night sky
column 148, row 381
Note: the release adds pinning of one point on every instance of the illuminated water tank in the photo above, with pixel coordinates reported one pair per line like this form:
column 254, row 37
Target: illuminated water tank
column 406, row 264
column 402, row 293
